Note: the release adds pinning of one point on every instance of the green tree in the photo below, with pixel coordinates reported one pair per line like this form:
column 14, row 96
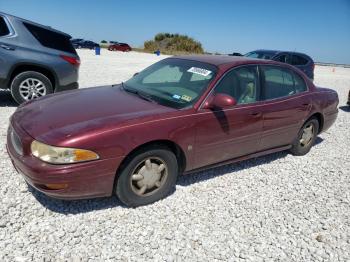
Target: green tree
column 173, row 43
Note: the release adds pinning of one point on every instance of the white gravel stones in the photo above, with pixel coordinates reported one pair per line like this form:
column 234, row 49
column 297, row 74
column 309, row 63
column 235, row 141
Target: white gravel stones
column 273, row 208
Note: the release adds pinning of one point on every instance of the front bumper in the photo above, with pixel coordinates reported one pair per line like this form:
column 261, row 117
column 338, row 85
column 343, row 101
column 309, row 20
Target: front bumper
column 84, row 180
column 71, row 86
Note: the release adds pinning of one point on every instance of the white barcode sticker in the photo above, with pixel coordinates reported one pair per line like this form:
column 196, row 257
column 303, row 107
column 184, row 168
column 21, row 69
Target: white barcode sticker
column 199, row 71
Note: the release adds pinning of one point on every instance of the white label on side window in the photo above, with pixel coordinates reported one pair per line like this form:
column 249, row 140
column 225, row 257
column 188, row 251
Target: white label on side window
column 199, row 71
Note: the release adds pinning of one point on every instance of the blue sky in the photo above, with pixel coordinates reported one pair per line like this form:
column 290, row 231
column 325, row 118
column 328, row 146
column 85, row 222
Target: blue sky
column 319, row 28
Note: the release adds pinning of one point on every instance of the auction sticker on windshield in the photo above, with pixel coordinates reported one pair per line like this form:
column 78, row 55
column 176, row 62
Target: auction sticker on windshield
column 199, row 71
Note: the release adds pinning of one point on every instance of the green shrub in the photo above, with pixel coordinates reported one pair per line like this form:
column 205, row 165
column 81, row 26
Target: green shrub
column 173, row 44
column 151, row 45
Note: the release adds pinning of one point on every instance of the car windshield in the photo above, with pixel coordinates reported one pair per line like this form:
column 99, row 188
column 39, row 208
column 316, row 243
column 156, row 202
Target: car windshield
column 173, row 82
column 260, row 55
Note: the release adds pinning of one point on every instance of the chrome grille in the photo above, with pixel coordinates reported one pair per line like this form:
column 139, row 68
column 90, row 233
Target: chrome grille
column 16, row 141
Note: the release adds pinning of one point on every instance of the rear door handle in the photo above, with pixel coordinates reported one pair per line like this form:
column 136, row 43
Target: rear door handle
column 256, row 114
column 7, row 47
column 303, row 107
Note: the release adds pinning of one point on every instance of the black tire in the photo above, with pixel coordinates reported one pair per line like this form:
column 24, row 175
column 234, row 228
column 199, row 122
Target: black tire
column 125, row 189
column 298, row 149
column 20, row 78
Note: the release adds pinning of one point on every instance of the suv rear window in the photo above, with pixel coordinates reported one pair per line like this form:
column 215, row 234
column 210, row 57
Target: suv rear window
column 298, row 60
column 50, row 38
column 3, row 27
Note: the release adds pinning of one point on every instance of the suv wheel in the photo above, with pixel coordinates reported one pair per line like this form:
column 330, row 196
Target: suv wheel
column 29, row 85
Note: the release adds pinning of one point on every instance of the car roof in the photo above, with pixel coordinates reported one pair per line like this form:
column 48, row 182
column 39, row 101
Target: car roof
column 275, row 52
column 219, row 60
column 33, row 23
column 265, row 51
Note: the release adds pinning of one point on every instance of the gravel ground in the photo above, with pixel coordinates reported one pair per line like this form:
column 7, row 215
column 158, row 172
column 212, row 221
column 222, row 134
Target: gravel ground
column 273, row 208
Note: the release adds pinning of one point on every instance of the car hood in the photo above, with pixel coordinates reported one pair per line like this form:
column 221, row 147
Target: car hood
column 53, row 118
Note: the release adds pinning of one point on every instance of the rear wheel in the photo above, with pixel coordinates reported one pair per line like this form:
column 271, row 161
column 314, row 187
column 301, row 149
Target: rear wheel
column 149, row 176
column 30, row 85
column 306, row 138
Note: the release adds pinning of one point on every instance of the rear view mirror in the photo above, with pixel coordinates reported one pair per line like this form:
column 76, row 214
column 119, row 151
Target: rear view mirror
column 220, row 101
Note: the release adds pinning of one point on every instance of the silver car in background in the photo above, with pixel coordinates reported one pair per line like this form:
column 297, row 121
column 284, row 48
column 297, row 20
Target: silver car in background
column 35, row 60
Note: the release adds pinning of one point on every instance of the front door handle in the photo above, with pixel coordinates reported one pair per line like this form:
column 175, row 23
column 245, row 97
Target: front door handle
column 7, row 47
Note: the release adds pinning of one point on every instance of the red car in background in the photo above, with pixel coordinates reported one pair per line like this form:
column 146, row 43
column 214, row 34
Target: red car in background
column 179, row 115
column 119, row 47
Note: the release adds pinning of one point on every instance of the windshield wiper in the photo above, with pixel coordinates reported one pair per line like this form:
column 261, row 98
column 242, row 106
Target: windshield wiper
column 138, row 93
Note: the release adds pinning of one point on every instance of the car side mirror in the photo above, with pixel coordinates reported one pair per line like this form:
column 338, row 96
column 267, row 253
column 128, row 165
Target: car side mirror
column 220, row 101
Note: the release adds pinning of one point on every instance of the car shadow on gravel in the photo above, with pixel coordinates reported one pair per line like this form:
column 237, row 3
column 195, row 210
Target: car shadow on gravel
column 6, row 99
column 75, row 206
column 84, row 206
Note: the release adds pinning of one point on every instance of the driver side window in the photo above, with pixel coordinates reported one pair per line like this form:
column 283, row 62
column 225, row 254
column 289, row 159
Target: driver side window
column 241, row 83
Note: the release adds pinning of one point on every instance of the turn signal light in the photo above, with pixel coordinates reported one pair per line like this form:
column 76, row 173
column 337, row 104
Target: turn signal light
column 56, row 186
column 84, row 155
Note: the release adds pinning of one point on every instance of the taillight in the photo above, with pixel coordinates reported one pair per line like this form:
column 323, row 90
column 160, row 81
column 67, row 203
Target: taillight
column 72, row 60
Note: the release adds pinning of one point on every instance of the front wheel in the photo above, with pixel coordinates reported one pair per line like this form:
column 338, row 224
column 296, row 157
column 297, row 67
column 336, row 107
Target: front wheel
column 149, row 176
column 306, row 138
column 30, row 85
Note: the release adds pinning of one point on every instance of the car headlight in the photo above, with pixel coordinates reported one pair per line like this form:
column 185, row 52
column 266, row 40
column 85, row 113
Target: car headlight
column 61, row 155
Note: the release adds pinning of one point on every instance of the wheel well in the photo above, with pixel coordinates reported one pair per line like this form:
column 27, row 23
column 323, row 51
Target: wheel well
column 39, row 69
column 176, row 149
column 320, row 119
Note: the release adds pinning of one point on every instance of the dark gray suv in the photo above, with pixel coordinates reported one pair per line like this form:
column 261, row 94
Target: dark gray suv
column 299, row 60
column 35, row 60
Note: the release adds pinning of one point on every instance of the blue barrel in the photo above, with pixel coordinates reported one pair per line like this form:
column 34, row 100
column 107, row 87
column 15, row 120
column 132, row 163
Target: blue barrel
column 157, row 52
column 97, row 50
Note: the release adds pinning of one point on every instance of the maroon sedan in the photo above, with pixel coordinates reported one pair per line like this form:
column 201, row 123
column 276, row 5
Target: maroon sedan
column 177, row 116
column 119, row 47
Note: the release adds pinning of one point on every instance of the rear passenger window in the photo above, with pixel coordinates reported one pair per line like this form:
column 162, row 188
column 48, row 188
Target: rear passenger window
column 280, row 82
column 298, row 60
column 50, row 38
column 299, row 83
column 3, row 27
